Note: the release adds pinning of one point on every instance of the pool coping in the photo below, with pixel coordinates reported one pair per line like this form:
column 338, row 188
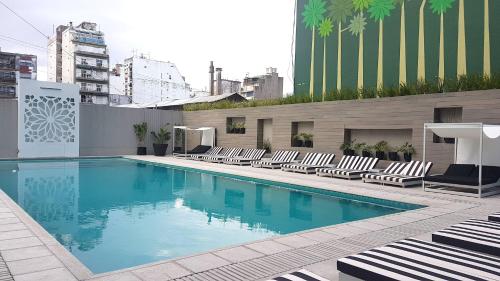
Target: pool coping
column 437, row 205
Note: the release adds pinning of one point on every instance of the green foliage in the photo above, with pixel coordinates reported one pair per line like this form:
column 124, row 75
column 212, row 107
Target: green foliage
column 381, row 146
column 360, row 5
column 325, row 27
column 162, row 136
column 406, row 149
column 306, row 136
column 313, row 13
column 357, row 25
column 440, row 6
column 359, row 147
column 464, row 83
column 348, row 145
column 379, row 9
column 340, row 10
column 267, row 145
column 140, row 130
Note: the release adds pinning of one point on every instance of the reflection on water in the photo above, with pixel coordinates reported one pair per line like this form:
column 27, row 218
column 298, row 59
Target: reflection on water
column 116, row 213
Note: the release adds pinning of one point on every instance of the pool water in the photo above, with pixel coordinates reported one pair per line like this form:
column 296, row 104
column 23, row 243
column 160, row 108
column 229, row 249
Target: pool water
column 114, row 213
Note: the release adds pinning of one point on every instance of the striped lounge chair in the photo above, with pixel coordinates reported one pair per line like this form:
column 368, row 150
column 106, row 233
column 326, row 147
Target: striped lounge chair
column 227, row 153
column 408, row 174
column 246, row 157
column 310, row 162
column 477, row 235
column 301, row 275
column 211, row 152
column 413, row 259
column 279, row 157
column 494, row 217
column 349, row 167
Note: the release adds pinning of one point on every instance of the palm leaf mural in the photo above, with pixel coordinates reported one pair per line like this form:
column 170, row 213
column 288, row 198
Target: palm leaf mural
column 486, row 46
column 461, row 48
column 312, row 16
column 325, row 29
column 379, row 9
column 440, row 7
column 339, row 11
column 357, row 28
column 421, row 43
column 402, row 43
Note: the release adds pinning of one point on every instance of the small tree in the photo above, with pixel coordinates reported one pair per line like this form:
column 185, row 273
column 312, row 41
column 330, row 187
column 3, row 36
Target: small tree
column 140, row 130
column 162, row 136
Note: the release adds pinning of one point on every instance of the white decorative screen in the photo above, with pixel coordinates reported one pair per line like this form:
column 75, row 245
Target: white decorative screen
column 48, row 119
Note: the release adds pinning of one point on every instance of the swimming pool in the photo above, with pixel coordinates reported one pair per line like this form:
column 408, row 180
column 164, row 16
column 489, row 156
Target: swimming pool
column 114, row 213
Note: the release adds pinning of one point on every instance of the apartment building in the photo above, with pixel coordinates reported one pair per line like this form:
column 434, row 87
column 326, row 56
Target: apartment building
column 14, row 66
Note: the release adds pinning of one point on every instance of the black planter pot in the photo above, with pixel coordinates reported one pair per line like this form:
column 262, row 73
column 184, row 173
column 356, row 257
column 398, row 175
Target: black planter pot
column 449, row 140
column 349, row 152
column 380, row 155
column 242, row 130
column 366, row 154
column 298, row 143
column 393, row 156
column 308, row 143
column 407, row 157
column 141, row 150
column 160, row 149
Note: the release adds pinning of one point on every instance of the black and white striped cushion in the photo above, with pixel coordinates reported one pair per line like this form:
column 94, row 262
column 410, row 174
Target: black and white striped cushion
column 413, row 259
column 301, row 275
column 227, row 153
column 395, row 168
column 348, row 162
column 476, row 235
column 255, row 154
column 278, row 158
column 366, row 163
column 494, row 217
column 311, row 161
column 212, row 151
column 416, row 168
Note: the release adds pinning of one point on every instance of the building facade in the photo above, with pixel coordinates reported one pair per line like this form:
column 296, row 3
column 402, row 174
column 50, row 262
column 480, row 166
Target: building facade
column 268, row 86
column 12, row 67
column 79, row 55
column 152, row 81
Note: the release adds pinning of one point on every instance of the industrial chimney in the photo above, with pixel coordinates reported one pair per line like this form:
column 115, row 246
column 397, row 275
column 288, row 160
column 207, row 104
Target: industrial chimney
column 211, row 71
column 219, row 80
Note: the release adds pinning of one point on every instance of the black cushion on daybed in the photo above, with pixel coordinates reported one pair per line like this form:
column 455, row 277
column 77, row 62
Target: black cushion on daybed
column 490, row 174
column 460, row 170
column 199, row 149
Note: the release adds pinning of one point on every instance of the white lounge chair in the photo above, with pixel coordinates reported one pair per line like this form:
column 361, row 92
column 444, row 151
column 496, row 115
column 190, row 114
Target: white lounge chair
column 230, row 152
column 246, row 157
column 310, row 162
column 279, row 157
column 211, row 152
column 400, row 174
column 349, row 167
column 413, row 259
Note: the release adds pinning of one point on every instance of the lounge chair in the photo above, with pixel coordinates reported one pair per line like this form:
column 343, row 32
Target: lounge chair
column 279, row 157
column 349, row 167
column 466, row 176
column 413, row 259
column 494, row 217
column 246, row 157
column 310, row 162
column 477, row 235
column 228, row 153
column 200, row 149
column 301, row 275
column 211, row 152
column 409, row 174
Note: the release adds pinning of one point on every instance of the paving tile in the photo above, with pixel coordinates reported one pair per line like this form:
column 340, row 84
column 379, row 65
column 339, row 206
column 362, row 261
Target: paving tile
column 164, row 271
column 5, row 210
column 367, row 225
column 25, row 253
column 296, row 241
column 19, row 243
column 268, row 247
column 6, row 235
column 202, row 262
column 11, row 227
column 34, row 264
column 320, row 236
column 325, row 269
column 7, row 215
column 57, row 274
column 346, row 230
column 238, row 254
column 126, row 276
column 9, row 221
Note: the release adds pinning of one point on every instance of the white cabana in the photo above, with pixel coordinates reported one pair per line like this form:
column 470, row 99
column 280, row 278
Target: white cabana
column 207, row 137
column 475, row 143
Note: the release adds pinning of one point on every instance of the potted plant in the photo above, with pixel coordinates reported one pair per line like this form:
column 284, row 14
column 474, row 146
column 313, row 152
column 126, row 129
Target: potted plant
column 308, row 139
column 348, row 148
column 381, row 148
column 298, row 140
column 242, row 127
column 140, row 131
column 267, row 146
column 393, row 154
column 408, row 150
column 358, row 148
column 160, row 144
column 366, row 151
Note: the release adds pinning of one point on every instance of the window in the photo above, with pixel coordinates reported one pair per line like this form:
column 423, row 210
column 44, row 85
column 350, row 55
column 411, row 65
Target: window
column 99, row 63
column 98, row 88
column 83, row 86
column 84, row 61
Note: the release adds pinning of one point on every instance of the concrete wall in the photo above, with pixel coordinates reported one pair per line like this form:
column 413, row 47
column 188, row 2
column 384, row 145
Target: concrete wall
column 8, row 128
column 109, row 130
column 104, row 131
column 333, row 119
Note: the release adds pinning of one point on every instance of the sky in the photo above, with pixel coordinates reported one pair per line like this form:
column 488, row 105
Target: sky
column 242, row 37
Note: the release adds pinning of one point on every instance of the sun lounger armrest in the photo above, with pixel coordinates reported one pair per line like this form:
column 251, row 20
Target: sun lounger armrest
column 375, row 170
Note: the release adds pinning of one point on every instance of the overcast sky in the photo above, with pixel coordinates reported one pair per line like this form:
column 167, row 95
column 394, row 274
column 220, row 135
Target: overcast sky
column 239, row 36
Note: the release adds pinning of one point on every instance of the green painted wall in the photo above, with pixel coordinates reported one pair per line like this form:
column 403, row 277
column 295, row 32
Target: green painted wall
column 474, row 33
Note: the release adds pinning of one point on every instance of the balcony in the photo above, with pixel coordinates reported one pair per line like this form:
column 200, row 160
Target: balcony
column 92, row 91
column 92, row 54
column 92, row 79
column 91, row 67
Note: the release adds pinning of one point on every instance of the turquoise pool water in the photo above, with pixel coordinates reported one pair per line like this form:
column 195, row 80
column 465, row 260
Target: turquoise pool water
column 114, row 213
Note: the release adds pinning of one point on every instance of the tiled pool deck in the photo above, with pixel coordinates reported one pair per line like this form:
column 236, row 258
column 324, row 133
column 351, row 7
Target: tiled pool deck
column 30, row 253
